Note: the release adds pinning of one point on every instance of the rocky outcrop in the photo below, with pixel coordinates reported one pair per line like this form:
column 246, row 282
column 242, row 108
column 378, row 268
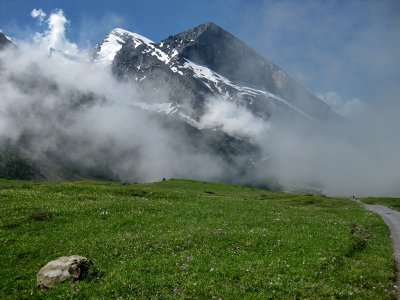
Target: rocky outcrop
column 65, row 268
column 4, row 41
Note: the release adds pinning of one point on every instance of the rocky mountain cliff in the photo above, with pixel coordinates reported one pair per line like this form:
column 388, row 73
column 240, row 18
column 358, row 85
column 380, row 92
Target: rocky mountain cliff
column 211, row 46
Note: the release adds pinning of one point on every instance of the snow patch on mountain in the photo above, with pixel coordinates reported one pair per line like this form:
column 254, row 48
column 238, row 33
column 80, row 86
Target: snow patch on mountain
column 216, row 79
column 204, row 72
column 168, row 108
column 161, row 55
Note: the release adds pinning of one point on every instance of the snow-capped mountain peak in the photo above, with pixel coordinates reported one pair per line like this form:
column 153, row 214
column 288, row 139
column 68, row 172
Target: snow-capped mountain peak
column 103, row 53
column 205, row 62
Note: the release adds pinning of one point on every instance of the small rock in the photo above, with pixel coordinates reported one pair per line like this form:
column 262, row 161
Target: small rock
column 63, row 269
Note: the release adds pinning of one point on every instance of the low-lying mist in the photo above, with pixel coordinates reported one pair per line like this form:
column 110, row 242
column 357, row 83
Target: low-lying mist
column 62, row 111
column 65, row 114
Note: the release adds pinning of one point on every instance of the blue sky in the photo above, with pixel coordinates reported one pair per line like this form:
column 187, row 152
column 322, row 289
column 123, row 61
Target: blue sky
column 349, row 47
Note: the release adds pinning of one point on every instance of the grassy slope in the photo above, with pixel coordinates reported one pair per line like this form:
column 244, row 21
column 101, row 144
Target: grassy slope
column 393, row 203
column 188, row 239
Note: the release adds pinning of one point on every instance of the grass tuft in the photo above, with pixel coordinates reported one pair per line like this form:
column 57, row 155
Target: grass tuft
column 359, row 239
column 41, row 216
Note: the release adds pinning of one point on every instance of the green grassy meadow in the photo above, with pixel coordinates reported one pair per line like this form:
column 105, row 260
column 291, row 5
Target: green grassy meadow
column 393, row 203
column 183, row 239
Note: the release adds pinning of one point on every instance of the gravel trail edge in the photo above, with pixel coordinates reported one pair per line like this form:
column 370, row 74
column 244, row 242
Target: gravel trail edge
column 392, row 220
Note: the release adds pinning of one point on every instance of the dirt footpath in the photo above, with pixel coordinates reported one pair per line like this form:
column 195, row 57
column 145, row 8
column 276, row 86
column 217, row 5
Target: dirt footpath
column 392, row 219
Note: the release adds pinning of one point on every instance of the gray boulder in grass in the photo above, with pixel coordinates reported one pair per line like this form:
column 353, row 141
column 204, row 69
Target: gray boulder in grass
column 65, row 268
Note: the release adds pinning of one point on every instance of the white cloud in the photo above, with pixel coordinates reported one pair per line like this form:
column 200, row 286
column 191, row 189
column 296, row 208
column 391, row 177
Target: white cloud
column 232, row 118
column 39, row 14
column 345, row 108
column 55, row 37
